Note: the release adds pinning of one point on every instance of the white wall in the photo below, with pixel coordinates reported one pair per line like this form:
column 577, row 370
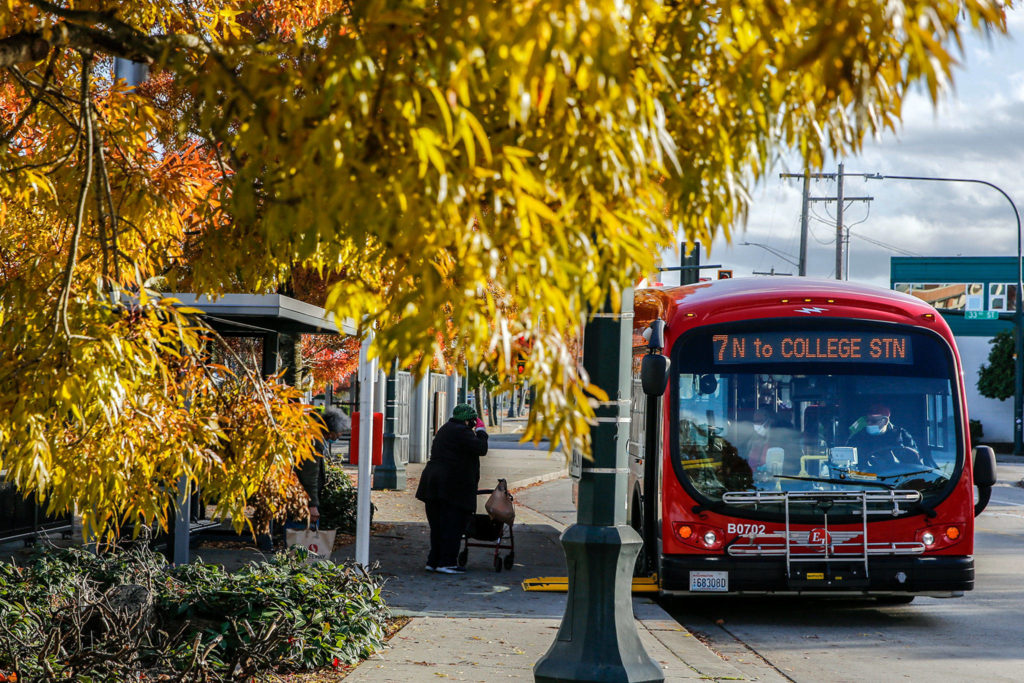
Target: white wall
column 996, row 416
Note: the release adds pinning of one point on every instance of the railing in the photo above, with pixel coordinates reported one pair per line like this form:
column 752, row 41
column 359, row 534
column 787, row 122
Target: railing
column 22, row 519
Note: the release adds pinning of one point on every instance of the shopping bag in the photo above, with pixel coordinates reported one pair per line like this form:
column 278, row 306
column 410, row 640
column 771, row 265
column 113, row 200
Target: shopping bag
column 499, row 506
column 318, row 542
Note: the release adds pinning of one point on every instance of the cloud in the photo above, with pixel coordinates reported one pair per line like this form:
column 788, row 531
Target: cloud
column 976, row 132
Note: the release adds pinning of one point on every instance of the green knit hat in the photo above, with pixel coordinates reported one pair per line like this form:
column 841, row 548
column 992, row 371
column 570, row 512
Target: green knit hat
column 463, row 412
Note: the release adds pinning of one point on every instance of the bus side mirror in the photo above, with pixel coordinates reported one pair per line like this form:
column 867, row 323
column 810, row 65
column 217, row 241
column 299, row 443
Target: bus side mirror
column 654, row 374
column 984, row 476
column 984, row 466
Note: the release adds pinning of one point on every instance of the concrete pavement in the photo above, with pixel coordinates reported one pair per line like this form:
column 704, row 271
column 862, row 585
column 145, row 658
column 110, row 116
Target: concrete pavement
column 482, row 626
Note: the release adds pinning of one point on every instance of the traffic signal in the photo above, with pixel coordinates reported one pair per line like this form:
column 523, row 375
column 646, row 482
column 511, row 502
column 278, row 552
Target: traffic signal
column 690, row 272
column 520, row 365
column 724, row 274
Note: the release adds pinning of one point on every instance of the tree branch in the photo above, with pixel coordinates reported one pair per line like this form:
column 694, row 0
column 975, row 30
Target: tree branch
column 32, row 46
column 83, row 195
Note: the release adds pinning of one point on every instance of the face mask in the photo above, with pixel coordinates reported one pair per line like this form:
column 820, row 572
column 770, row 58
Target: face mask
column 874, row 430
column 762, row 430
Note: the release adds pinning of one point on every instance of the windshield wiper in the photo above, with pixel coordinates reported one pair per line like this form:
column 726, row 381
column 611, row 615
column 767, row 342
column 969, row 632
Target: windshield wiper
column 905, row 474
column 824, row 480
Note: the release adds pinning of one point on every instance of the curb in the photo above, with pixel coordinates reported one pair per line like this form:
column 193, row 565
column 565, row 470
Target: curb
column 530, row 481
column 678, row 640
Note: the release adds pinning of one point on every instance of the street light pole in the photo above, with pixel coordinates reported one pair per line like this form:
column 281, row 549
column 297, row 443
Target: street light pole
column 1018, row 315
column 598, row 639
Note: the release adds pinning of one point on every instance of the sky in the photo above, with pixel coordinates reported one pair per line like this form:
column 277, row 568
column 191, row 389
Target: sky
column 976, row 131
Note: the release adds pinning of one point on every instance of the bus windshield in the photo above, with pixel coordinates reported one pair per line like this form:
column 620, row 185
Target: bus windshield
column 842, row 409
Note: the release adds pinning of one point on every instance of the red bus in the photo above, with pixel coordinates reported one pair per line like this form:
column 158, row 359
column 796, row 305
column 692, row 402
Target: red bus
column 804, row 436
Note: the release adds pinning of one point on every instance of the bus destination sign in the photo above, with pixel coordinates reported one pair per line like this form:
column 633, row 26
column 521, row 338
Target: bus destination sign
column 801, row 347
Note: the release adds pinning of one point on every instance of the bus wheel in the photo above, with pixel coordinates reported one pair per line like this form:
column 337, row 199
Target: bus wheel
column 894, row 599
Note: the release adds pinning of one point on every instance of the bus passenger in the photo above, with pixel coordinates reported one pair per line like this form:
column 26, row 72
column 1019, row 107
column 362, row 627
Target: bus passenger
column 770, row 431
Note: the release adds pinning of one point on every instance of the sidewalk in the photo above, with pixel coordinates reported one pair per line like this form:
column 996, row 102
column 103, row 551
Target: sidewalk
column 482, row 626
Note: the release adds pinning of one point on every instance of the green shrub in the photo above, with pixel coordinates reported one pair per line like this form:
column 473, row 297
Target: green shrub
column 976, row 431
column 61, row 618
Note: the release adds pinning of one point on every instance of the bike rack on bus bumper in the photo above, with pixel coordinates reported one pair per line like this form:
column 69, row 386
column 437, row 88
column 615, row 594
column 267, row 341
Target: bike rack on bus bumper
column 829, row 549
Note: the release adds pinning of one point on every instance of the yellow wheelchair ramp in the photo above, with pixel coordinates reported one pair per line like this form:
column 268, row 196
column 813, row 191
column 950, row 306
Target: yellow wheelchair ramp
column 560, row 584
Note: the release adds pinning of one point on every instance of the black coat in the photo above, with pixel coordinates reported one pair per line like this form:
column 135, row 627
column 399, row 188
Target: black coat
column 453, row 472
column 312, row 474
column 892, row 438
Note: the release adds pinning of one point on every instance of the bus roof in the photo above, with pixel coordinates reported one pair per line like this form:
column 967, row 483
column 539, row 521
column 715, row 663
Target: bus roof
column 738, row 298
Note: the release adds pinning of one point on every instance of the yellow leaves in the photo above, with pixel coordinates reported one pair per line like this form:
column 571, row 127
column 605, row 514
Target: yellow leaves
column 466, row 171
column 442, row 105
column 582, row 77
column 95, row 424
column 427, row 145
column 223, row 22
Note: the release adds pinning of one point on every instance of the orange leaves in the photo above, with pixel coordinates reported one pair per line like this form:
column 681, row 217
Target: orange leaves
column 331, row 359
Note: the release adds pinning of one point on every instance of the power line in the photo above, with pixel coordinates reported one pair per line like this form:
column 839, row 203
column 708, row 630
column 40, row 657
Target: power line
column 886, row 245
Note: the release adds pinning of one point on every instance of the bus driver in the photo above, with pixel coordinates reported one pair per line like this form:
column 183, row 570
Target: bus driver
column 879, row 442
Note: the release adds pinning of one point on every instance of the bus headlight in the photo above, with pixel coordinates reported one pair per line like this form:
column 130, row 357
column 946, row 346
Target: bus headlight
column 938, row 537
column 699, row 536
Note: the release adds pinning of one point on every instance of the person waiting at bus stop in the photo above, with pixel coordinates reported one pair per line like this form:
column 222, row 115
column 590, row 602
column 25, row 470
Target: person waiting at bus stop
column 879, row 442
column 449, row 484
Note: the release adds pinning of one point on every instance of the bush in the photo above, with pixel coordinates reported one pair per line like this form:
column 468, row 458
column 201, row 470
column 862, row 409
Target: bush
column 976, row 431
column 338, row 501
column 995, row 380
column 75, row 615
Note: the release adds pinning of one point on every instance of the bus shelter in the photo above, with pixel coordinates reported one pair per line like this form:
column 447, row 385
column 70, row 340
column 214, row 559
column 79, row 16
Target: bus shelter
column 267, row 317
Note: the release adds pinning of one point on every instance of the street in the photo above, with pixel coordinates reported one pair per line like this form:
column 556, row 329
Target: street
column 976, row 637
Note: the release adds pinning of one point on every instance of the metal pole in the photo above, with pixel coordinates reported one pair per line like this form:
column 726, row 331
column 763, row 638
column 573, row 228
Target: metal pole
column 367, row 375
column 839, row 224
column 598, row 640
column 805, row 215
column 418, row 422
column 180, row 554
column 1018, row 316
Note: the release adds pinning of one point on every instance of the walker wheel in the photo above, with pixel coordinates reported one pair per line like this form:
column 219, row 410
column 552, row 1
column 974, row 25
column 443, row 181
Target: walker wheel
column 509, row 560
column 463, row 558
column 497, row 564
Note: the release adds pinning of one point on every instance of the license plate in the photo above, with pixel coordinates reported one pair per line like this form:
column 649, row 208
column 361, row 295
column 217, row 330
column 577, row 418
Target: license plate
column 709, row 582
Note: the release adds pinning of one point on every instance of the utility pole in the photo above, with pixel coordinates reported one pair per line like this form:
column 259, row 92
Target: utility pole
column 805, row 217
column 840, row 199
column 839, row 224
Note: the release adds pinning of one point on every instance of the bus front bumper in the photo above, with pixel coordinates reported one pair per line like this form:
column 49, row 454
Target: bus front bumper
column 936, row 575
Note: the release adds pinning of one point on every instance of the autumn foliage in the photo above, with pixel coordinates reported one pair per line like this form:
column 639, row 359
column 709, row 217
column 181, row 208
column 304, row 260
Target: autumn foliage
column 406, row 159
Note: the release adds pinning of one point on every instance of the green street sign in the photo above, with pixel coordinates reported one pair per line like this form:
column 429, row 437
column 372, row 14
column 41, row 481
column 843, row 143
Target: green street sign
column 981, row 315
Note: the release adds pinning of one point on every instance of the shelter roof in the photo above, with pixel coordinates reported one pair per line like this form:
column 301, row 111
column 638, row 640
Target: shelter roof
column 237, row 313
